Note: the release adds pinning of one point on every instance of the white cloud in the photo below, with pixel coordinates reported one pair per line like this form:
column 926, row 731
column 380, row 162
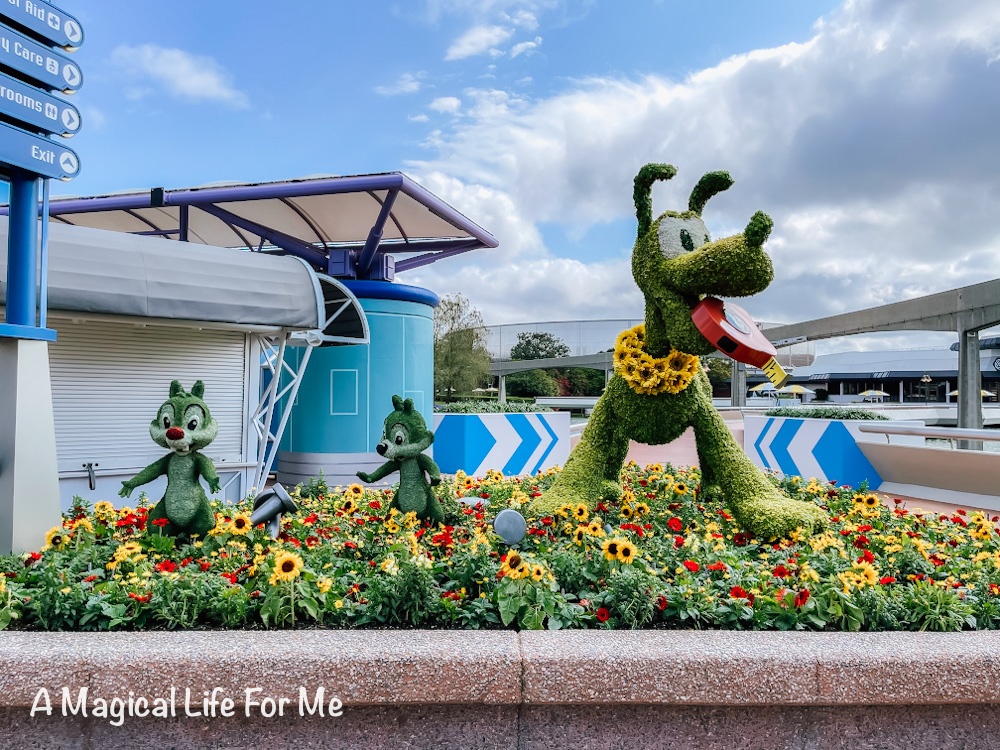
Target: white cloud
column 477, row 40
column 418, row 118
column 447, row 104
column 872, row 145
column 525, row 48
column 182, row 74
column 408, row 83
column 524, row 19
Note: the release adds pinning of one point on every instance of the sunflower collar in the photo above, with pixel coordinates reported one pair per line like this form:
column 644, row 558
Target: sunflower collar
column 647, row 375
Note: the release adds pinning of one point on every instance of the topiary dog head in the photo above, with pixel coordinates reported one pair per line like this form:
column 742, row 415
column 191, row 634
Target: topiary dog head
column 675, row 262
column 184, row 423
column 405, row 434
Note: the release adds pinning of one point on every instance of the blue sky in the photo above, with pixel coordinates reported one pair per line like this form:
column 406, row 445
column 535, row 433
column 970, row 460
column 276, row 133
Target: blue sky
column 864, row 127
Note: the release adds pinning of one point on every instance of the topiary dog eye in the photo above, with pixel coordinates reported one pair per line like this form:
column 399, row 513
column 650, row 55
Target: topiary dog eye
column 166, row 421
column 193, row 424
column 686, row 242
column 399, row 439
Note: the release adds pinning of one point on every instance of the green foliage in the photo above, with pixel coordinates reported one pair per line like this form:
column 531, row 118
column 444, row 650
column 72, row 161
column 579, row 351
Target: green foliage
column 538, row 345
column 532, row 383
column 823, row 412
column 709, row 185
column 491, row 406
column 461, row 359
column 642, row 193
column 719, row 371
column 579, row 381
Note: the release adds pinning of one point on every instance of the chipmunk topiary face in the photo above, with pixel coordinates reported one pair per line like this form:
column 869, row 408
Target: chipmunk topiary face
column 405, row 434
column 184, row 423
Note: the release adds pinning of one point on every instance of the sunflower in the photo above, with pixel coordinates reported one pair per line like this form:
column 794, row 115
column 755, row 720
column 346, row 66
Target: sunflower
column 287, row 566
column 627, row 511
column 324, row 585
column 680, row 488
column 610, row 549
column 392, row 527
column 104, row 508
column 349, row 506
column 580, row 512
column 57, row 538
column 580, row 535
column 594, row 528
column 871, row 501
column 514, row 566
column 240, row 524
column 355, row 491
column 641, row 509
column 564, row 510
column 866, row 573
column 83, row 523
column 677, row 361
column 537, row 572
column 626, row 551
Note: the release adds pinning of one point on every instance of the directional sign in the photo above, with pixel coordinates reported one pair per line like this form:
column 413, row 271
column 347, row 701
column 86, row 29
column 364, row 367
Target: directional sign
column 51, row 24
column 37, row 108
column 36, row 154
column 41, row 63
column 512, row 443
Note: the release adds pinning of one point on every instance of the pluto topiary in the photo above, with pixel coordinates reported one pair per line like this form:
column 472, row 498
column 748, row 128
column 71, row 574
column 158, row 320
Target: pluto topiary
column 658, row 390
column 405, row 437
column 185, row 426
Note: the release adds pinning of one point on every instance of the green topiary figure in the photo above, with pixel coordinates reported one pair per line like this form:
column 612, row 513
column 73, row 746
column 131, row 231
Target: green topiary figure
column 405, row 437
column 658, row 390
column 184, row 425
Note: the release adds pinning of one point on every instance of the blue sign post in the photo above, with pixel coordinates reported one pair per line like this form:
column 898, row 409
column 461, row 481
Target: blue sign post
column 30, row 71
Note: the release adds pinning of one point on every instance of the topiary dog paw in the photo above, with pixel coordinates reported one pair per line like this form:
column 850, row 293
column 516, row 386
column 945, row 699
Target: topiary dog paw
column 773, row 514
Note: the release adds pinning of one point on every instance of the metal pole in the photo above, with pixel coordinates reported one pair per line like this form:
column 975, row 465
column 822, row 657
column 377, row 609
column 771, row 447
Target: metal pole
column 970, row 412
column 287, row 413
column 22, row 281
column 502, row 397
column 43, row 274
column 739, row 384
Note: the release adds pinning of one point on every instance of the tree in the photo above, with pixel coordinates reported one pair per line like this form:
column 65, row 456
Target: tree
column 719, row 371
column 532, row 383
column 461, row 359
column 538, row 345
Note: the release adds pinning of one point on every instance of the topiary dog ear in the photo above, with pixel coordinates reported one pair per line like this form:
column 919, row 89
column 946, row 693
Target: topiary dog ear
column 397, row 403
column 198, row 389
column 176, row 389
column 642, row 193
column 408, row 405
column 708, row 185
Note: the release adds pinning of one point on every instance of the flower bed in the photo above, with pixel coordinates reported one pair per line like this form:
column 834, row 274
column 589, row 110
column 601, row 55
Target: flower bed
column 667, row 556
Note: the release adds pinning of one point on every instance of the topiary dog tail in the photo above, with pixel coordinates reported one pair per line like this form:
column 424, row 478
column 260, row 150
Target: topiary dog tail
column 708, row 185
column 642, row 195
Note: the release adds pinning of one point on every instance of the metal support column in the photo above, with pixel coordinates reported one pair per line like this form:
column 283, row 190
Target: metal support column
column 970, row 410
column 22, row 258
column 739, row 384
column 502, row 398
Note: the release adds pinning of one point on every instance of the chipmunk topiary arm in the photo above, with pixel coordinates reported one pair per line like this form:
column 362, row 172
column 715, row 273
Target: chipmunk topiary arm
column 156, row 469
column 207, row 470
column 658, row 390
column 427, row 464
column 389, row 467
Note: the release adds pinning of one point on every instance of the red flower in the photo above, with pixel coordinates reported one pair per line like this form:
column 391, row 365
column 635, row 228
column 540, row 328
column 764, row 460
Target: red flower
column 678, row 542
column 868, row 557
column 88, row 579
column 864, row 528
column 350, row 545
column 375, row 505
column 138, row 598
column 886, row 580
column 161, row 522
column 167, row 566
column 960, row 512
column 675, row 524
column 897, row 501
column 781, row 571
column 603, row 615
column 547, row 521
column 802, row 597
column 717, row 566
column 738, row 592
column 231, row 577
column 205, row 565
column 741, row 538
column 33, row 557
column 861, row 541
column 661, row 603
column 692, row 566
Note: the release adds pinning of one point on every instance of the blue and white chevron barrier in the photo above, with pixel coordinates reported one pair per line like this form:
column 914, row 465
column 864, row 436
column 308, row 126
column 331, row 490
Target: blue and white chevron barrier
column 512, row 443
column 822, row 448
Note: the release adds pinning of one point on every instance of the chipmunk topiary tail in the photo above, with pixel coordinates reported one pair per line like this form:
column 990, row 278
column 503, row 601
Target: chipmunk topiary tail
column 658, row 390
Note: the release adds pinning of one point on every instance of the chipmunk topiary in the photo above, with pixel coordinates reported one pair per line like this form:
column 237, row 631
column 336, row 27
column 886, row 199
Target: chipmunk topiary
column 184, row 425
column 405, row 437
column 658, row 390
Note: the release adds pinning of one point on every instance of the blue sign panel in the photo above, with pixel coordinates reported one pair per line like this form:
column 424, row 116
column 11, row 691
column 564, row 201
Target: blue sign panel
column 38, row 62
column 51, row 24
column 37, row 108
column 36, row 154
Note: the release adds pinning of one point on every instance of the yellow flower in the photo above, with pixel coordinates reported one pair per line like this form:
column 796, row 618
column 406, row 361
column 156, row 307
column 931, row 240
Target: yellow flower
column 514, row 566
column 65, row 590
column 564, row 510
column 83, row 523
column 537, row 572
column 338, row 604
column 594, row 528
column 287, row 566
column 355, row 491
column 240, row 524
column 349, row 505
column 627, row 511
column 104, row 508
column 580, row 512
column 626, row 551
column 580, row 534
column 324, row 584
column 680, row 488
column 610, row 549
column 57, row 538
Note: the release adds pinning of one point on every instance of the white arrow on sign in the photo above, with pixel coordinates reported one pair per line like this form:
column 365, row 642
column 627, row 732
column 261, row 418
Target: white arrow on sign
column 68, row 163
column 73, row 31
column 70, row 119
column 71, row 74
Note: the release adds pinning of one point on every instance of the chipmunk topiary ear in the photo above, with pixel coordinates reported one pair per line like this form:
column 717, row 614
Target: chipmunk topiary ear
column 408, row 405
column 710, row 184
column 642, row 194
column 397, row 403
column 198, row 389
column 176, row 389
